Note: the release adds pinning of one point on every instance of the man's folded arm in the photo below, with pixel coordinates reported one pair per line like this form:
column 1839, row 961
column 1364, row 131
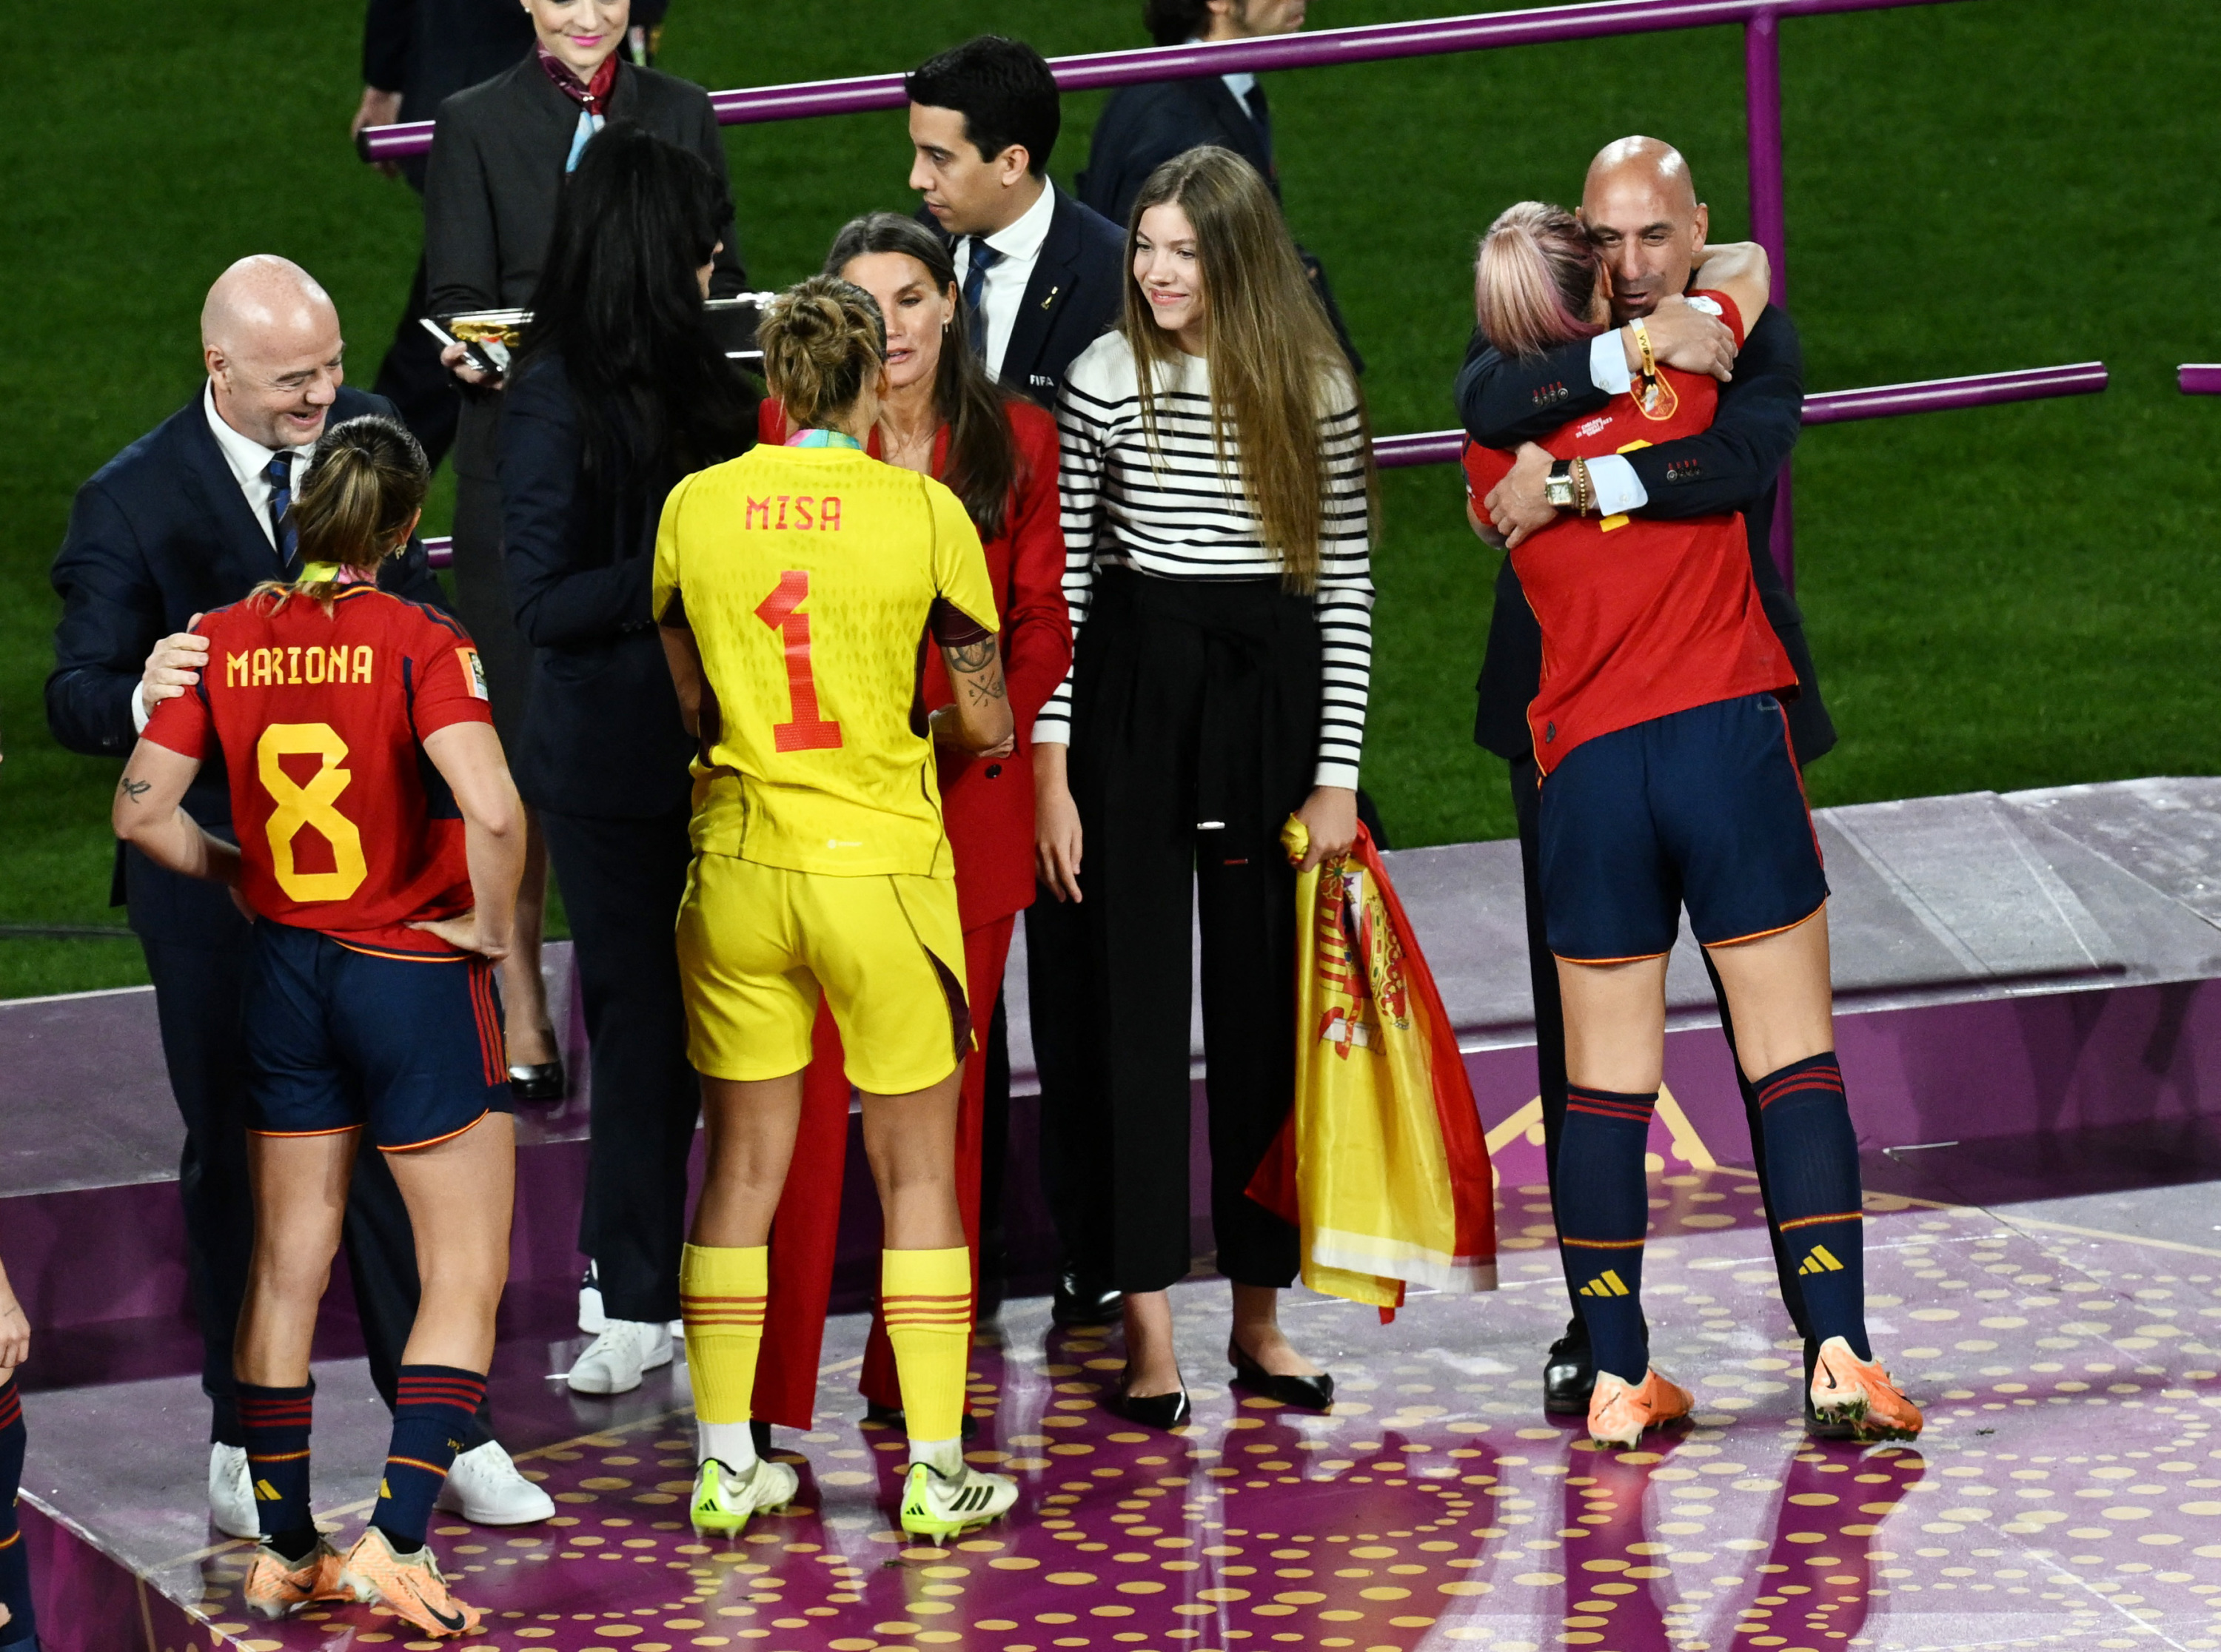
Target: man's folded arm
column 111, row 619
column 1727, row 467
column 1506, row 400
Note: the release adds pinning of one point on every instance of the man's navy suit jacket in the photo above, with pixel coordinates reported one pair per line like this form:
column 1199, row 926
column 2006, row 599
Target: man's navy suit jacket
column 159, row 533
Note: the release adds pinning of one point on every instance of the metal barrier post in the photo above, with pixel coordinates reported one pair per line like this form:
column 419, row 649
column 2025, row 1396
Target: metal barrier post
column 1761, row 82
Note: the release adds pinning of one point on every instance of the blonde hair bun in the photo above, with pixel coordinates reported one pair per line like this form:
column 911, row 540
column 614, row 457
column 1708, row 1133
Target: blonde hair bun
column 822, row 339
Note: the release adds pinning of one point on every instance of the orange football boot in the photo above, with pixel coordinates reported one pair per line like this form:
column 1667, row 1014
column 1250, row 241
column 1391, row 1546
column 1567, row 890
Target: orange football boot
column 275, row 1587
column 1620, row 1411
column 1856, row 1393
column 410, row 1585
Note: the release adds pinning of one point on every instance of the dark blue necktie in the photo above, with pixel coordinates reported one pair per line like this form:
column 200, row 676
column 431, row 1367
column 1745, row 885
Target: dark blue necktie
column 983, row 258
column 1261, row 113
column 283, row 533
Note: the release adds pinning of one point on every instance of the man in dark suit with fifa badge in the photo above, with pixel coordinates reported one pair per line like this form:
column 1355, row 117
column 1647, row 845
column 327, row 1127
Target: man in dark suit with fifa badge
column 188, row 518
column 1042, row 274
column 1641, row 209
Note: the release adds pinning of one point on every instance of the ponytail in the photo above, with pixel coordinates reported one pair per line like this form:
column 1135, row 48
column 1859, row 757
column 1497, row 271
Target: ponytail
column 1534, row 281
column 354, row 508
column 823, row 341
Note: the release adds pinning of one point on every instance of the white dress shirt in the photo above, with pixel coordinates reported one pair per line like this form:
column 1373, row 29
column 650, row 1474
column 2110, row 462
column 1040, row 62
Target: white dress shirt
column 1005, row 289
column 1618, row 489
column 249, row 462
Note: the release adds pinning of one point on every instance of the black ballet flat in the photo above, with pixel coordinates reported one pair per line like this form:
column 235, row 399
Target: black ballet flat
column 1305, row 1393
column 544, row 1083
column 1158, row 1411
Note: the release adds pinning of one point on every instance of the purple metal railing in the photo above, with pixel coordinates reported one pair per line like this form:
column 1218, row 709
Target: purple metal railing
column 1369, row 43
column 2199, row 378
column 1828, row 408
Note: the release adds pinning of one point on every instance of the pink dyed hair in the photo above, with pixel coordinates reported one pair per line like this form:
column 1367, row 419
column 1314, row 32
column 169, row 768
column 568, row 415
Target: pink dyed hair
column 1535, row 279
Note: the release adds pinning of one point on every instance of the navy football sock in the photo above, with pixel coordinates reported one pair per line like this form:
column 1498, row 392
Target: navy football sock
column 15, row 1567
column 276, row 1423
column 431, row 1414
column 1812, row 1174
column 1604, row 1211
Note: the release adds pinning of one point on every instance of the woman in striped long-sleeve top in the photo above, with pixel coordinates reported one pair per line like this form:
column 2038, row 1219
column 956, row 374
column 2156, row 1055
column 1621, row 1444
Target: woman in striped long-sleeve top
column 1217, row 518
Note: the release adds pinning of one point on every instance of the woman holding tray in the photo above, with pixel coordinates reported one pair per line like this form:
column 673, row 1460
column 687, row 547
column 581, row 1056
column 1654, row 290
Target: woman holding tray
column 500, row 152
column 940, row 415
column 1668, row 779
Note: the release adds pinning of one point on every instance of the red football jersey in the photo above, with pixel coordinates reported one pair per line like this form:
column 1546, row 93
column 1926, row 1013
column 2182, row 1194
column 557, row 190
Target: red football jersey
column 1641, row 618
column 344, row 825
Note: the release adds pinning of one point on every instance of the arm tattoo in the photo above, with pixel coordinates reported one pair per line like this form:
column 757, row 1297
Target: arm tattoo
column 973, row 656
column 989, row 690
column 134, row 789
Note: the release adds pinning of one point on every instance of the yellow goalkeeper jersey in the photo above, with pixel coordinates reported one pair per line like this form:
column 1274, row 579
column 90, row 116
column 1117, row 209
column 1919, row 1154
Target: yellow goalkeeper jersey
column 808, row 577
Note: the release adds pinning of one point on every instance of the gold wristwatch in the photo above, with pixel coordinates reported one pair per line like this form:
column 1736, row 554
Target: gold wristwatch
column 1558, row 488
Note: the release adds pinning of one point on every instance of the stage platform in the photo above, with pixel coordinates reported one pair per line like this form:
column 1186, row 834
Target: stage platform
column 2030, row 1038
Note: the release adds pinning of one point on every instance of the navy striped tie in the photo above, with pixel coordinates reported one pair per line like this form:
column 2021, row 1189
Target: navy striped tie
column 282, row 531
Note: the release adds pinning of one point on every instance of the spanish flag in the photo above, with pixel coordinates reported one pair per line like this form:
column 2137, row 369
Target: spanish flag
column 1383, row 1164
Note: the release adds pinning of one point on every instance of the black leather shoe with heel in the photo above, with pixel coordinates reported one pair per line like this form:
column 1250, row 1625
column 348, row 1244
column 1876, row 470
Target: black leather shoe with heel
column 1159, row 1411
column 542, row 1082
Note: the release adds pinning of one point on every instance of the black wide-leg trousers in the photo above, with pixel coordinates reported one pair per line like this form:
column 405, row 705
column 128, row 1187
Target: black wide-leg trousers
column 622, row 881
column 1195, row 730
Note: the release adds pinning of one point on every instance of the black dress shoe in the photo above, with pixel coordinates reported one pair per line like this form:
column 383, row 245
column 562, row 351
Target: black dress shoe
column 1570, row 1373
column 1162, row 1411
column 895, row 1417
column 1082, row 1302
column 1308, row 1393
column 543, row 1082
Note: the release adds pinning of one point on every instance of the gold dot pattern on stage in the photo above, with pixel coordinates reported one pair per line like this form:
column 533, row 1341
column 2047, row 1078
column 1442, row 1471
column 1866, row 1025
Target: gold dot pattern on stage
column 2068, row 1485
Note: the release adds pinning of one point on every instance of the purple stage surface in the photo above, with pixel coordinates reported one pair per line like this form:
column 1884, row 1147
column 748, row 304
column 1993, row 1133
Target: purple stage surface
column 2030, row 1028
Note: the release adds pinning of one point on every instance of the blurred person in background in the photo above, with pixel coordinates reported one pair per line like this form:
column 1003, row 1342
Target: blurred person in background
column 941, row 415
column 187, row 519
column 618, row 391
column 1143, row 127
column 1040, row 276
column 499, row 156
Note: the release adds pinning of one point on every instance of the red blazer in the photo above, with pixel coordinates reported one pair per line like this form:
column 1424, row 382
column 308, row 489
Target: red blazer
column 989, row 806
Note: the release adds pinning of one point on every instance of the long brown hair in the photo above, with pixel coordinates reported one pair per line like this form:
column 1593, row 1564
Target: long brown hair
column 1535, row 280
column 354, row 508
column 822, row 340
column 983, row 458
column 1275, row 360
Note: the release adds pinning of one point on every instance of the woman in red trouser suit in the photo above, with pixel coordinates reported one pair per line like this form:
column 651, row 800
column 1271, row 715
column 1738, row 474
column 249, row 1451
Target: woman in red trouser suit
column 941, row 415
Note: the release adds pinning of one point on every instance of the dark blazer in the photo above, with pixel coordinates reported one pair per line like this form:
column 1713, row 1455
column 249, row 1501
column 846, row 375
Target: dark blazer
column 1079, row 284
column 1143, row 127
column 1731, row 466
column 159, row 533
column 602, row 733
column 496, row 167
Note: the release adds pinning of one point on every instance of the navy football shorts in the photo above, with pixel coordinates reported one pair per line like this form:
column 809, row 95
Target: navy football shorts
column 1704, row 809
column 339, row 1038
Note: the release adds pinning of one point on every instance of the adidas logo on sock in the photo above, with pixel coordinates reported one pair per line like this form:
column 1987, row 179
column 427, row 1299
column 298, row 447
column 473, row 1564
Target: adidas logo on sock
column 264, row 1492
column 1818, row 1261
column 1608, row 1284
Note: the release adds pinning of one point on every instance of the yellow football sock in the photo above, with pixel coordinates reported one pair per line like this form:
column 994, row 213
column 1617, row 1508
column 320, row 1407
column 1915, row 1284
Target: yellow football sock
column 925, row 1297
column 721, row 1292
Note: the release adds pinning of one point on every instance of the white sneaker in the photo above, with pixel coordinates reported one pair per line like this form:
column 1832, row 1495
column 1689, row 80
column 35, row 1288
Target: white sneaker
column 592, row 1320
column 935, row 1505
column 613, row 1361
column 724, row 1500
column 487, row 1489
column 231, row 1493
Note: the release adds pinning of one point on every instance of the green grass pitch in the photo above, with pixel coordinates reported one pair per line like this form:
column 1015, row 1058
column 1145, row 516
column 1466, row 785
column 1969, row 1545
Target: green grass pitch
column 2019, row 596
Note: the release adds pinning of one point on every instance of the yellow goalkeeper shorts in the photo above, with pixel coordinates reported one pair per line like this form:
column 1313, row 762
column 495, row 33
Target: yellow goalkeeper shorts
column 757, row 945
